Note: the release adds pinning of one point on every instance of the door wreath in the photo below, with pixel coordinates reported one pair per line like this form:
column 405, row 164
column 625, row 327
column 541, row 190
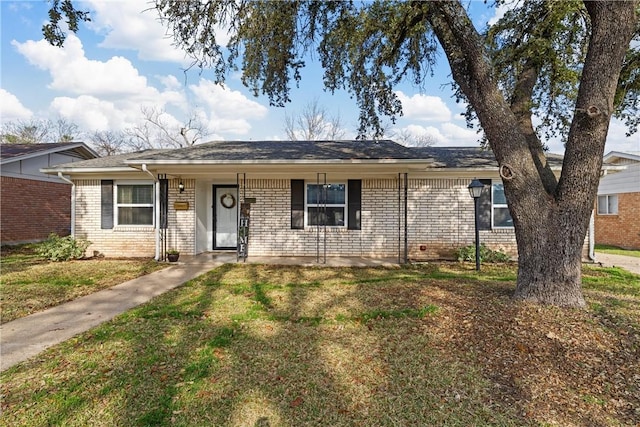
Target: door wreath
column 227, row 200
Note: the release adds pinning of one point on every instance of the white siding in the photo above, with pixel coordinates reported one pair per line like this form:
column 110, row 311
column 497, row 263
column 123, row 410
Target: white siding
column 626, row 181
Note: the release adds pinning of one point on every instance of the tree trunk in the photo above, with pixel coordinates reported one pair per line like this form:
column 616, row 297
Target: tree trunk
column 550, row 258
column 550, row 220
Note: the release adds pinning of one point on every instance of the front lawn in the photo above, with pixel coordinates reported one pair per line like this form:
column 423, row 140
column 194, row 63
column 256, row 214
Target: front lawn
column 252, row 345
column 29, row 283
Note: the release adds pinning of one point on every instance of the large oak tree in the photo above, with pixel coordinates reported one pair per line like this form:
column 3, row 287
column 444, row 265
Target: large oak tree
column 568, row 62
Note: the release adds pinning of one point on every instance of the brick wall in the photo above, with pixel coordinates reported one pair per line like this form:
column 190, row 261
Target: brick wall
column 440, row 220
column 31, row 210
column 623, row 229
column 181, row 227
column 271, row 233
column 121, row 241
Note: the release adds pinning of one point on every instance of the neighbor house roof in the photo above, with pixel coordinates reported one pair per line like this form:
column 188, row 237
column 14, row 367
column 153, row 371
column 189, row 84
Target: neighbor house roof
column 300, row 152
column 115, row 162
column 617, row 156
column 15, row 152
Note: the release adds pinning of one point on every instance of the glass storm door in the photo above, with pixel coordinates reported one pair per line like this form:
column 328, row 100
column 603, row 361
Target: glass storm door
column 225, row 216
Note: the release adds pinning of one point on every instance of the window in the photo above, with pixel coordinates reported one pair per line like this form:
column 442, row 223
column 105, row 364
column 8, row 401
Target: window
column 307, row 204
column 608, row 204
column 501, row 217
column 326, row 206
column 134, row 204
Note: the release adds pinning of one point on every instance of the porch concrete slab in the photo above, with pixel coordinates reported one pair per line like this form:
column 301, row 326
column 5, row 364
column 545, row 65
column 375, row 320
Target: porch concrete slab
column 329, row 262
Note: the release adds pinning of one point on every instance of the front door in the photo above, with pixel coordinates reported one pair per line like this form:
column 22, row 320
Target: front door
column 225, row 217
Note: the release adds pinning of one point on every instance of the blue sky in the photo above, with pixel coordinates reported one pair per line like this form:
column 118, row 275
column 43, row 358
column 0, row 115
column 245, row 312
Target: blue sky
column 123, row 61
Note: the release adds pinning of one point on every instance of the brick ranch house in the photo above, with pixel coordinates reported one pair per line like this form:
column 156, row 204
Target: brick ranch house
column 617, row 219
column 302, row 198
column 34, row 204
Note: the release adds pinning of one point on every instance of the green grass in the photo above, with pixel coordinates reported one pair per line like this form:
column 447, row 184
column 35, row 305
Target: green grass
column 614, row 250
column 252, row 345
column 29, row 284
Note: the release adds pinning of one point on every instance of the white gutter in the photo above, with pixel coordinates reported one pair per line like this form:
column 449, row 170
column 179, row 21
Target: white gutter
column 592, row 237
column 157, row 210
column 73, row 202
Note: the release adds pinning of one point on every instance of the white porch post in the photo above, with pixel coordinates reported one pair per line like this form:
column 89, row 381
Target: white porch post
column 73, row 202
column 157, row 219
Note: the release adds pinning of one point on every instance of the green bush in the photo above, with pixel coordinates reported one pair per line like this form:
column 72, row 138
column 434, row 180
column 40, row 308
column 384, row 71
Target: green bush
column 57, row 248
column 468, row 253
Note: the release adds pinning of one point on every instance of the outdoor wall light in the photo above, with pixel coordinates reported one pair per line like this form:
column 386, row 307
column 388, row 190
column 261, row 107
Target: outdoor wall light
column 475, row 189
column 181, row 187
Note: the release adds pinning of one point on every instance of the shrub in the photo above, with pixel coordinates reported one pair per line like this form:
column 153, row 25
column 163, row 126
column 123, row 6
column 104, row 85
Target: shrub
column 57, row 248
column 468, row 253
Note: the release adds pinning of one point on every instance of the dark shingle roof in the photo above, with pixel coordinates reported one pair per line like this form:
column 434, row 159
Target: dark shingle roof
column 467, row 157
column 288, row 150
column 322, row 151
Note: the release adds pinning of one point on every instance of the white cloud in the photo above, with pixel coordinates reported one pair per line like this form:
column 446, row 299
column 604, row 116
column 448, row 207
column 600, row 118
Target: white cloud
column 411, row 133
column 93, row 114
column 446, row 135
column 500, row 11
column 108, row 95
column 229, row 111
column 459, row 136
column 617, row 139
column 11, row 108
column 424, row 107
column 170, row 82
column 72, row 72
column 133, row 25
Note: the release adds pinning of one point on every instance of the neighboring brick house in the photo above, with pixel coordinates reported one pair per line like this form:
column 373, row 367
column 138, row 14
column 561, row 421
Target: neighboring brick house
column 306, row 198
column 34, row 204
column 617, row 213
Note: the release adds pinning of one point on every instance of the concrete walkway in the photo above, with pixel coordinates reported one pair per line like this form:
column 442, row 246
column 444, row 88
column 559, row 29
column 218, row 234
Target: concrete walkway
column 24, row 338
column 629, row 263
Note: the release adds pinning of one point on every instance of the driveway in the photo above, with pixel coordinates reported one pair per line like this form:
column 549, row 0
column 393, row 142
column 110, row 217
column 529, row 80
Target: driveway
column 629, row 263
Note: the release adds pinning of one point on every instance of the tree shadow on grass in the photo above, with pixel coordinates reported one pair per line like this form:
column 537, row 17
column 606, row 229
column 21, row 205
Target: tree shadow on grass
column 552, row 365
column 263, row 345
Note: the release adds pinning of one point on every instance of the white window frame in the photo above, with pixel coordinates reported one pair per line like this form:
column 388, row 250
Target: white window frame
column 345, row 205
column 498, row 205
column 117, row 205
column 608, row 199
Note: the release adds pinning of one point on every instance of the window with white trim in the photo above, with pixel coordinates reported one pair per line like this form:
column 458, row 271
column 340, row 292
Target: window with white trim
column 326, row 206
column 500, row 215
column 608, row 204
column 134, row 204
